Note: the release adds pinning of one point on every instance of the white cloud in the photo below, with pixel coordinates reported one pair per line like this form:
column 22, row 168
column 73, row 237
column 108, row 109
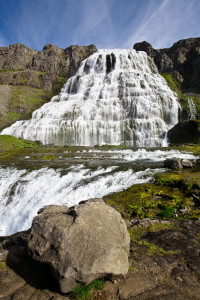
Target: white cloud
column 167, row 23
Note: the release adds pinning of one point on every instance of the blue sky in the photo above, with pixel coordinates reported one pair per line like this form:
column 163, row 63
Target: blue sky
column 105, row 23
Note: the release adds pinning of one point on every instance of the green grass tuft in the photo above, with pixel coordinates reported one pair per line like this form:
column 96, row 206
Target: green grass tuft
column 86, row 292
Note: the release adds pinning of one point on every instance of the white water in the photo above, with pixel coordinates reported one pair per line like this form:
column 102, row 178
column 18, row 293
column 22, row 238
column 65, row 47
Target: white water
column 127, row 104
column 24, row 192
column 192, row 108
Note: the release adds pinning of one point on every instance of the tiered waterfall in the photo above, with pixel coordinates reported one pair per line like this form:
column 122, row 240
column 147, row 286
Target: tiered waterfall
column 117, row 97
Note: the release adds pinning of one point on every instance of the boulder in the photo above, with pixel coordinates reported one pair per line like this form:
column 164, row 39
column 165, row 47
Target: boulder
column 177, row 163
column 173, row 163
column 80, row 244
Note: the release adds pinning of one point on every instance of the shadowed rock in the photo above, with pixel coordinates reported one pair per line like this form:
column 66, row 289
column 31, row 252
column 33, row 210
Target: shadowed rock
column 185, row 132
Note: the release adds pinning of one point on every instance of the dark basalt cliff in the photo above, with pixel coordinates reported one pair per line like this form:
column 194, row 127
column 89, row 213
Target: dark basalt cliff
column 29, row 78
column 182, row 60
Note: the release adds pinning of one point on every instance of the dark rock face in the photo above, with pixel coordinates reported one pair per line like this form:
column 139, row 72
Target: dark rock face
column 81, row 244
column 185, row 132
column 182, row 60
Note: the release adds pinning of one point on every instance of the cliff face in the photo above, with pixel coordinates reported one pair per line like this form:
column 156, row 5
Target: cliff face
column 182, row 60
column 180, row 66
column 29, row 78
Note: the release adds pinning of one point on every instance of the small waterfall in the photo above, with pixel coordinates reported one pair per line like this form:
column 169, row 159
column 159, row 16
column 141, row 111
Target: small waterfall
column 192, row 108
column 117, row 97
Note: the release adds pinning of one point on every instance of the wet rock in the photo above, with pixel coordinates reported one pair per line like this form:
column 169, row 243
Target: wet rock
column 187, row 163
column 173, row 163
column 178, row 164
column 80, row 244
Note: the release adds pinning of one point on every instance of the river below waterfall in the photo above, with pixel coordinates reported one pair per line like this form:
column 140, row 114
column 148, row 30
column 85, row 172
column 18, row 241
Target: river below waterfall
column 31, row 181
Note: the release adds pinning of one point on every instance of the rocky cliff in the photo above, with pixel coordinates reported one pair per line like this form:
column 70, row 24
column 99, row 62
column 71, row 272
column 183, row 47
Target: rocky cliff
column 29, row 78
column 180, row 66
column 182, row 60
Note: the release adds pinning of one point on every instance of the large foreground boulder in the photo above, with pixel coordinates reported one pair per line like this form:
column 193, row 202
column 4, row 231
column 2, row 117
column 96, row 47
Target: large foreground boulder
column 80, row 244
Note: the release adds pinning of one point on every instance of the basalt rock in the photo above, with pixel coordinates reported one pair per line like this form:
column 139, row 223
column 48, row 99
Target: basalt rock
column 80, row 244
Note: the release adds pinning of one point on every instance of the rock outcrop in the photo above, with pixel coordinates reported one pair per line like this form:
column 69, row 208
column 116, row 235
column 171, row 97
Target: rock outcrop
column 178, row 163
column 185, row 132
column 20, row 65
column 163, row 265
column 29, row 78
column 80, row 244
column 182, row 60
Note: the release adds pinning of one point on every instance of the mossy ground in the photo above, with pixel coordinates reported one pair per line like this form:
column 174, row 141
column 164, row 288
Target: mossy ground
column 9, row 145
column 173, row 195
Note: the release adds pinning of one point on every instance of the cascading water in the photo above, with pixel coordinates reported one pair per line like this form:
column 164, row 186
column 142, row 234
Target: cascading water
column 117, row 97
column 192, row 108
column 27, row 186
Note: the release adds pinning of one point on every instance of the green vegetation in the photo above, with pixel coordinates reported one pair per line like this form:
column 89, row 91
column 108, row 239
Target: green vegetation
column 183, row 98
column 10, row 145
column 58, row 84
column 166, row 211
column 195, row 149
column 49, row 157
column 170, row 196
column 20, row 104
column 2, row 266
column 86, row 292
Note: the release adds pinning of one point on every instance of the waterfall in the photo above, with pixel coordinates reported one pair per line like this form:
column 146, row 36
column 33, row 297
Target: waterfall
column 192, row 108
column 117, row 97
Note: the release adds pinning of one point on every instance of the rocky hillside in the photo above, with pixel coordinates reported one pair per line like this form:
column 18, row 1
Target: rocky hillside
column 180, row 65
column 29, row 78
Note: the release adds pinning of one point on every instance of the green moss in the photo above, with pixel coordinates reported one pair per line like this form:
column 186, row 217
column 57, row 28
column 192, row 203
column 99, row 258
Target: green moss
column 3, row 266
column 195, row 149
column 145, row 199
column 160, row 226
column 86, row 292
column 154, row 249
column 10, row 145
column 172, row 192
column 49, row 157
column 137, row 233
column 166, row 211
column 58, row 84
column 182, row 180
